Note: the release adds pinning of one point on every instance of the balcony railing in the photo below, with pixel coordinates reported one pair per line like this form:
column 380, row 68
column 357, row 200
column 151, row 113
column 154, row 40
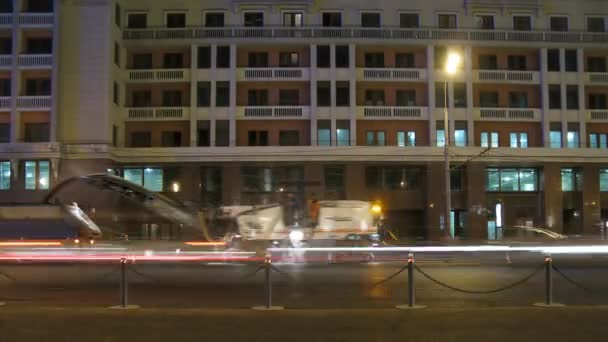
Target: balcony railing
column 164, row 75
column 510, row 114
column 394, row 33
column 391, row 74
column 34, row 61
column 596, row 77
column 597, row 115
column 6, row 61
column 34, row 102
column 398, row 112
column 509, row 76
column 5, row 103
column 274, row 112
column 273, row 74
column 36, row 19
column 6, row 19
column 157, row 113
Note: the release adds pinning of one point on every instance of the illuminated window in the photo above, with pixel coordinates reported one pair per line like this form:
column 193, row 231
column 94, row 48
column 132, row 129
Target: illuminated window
column 37, row 175
column 604, row 180
column 406, row 138
column 440, row 138
column 393, row 178
column 572, row 180
column 5, row 175
column 518, row 139
column 489, row 139
column 511, row 180
column 149, row 178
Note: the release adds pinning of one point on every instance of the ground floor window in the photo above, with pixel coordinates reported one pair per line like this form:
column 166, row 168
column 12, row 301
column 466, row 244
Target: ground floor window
column 511, row 180
column 5, row 175
column 149, row 178
column 393, row 177
column 37, row 174
column 604, row 180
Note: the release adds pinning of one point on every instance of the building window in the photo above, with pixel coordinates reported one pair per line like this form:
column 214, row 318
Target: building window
column 598, row 140
column 484, row 22
column 572, row 136
column 115, row 91
column 323, row 94
column 5, row 175
column 488, row 99
column 172, row 98
column 460, row 137
column 253, row 19
column 404, row 60
column 604, row 180
column 38, row 87
column 517, row 62
column 489, row 139
column 203, row 94
column 149, row 178
column 39, row 6
column 370, row 19
column 257, row 138
column 555, row 96
column 293, row 19
column 222, row 94
column 204, row 57
column 457, row 179
column 116, row 54
column 289, row 138
column 202, row 132
column 572, row 180
column 5, row 132
column 553, row 63
column 518, row 99
column 571, row 61
column 141, row 98
column 37, row 175
column 405, row 98
column 257, row 59
column 596, row 24
column 518, row 140
column 265, row 179
column 555, row 135
column 214, row 19
column 393, row 178
column 289, row 97
column 409, row 20
column 374, row 97
column 334, row 178
column 343, row 132
column 222, row 132
column 223, row 57
column 173, row 60
column 522, row 23
column 406, row 138
column 342, row 56
column 511, row 180
column 572, row 97
column 488, row 62
column 323, row 56
column 37, row 132
column 558, row 23
column 374, row 60
column 142, row 61
column 6, row 46
column 446, row 21
column 175, row 20
column 460, row 95
column 289, row 59
column 342, row 93
column 212, row 186
column 171, row 139
column 596, row 64
column 375, row 138
column 440, row 137
column 257, row 97
column 324, row 132
column 141, row 139
column 332, row 19
column 137, row 20
column 6, row 6
column 597, row 101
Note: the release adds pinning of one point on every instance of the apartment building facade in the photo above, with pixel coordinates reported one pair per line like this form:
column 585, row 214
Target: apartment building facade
column 243, row 102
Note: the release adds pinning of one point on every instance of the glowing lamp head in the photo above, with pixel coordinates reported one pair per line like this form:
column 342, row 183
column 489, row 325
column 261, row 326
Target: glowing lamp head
column 452, row 63
column 175, row 187
column 376, row 209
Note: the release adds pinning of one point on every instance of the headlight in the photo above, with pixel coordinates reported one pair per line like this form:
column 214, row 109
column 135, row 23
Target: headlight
column 296, row 235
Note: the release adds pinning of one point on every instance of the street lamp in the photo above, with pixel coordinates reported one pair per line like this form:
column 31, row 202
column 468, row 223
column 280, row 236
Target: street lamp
column 452, row 65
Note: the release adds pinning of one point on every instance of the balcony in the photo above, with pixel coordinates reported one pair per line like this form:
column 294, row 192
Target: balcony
column 273, row 74
column 5, row 104
column 391, row 74
column 35, row 61
column 507, row 114
column 6, row 61
column 506, row 76
column 597, row 115
column 273, row 112
column 36, row 19
column 596, row 78
column 156, row 113
column 159, row 75
column 398, row 113
column 362, row 33
column 34, row 103
column 6, row 19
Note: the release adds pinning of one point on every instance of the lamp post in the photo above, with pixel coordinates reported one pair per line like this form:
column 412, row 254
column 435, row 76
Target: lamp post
column 451, row 67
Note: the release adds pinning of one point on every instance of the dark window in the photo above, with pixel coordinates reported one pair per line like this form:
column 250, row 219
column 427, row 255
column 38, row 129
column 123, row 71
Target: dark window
column 596, row 24
column 488, row 62
column 323, row 94
column 572, row 97
column 141, row 98
column 257, row 97
column 522, row 23
column 176, row 19
column 342, row 94
column 409, row 20
column 440, row 95
column 257, row 59
column 555, row 96
column 342, row 56
column 203, row 136
column 171, row 139
column 289, row 97
column 223, row 57
column 5, row 87
column 39, row 46
column 517, row 63
column 142, row 61
column 374, row 98
column 323, row 56
column 334, row 178
column 115, row 93
column 38, row 87
column 518, row 99
column 6, row 46
column 173, row 60
column 254, row 19
column 204, row 57
column 289, row 59
column 460, row 95
column 559, row 24
column 5, row 132
column 488, row 99
column 172, row 98
column 406, row 98
column 117, row 12
column 222, row 132
column 117, row 54
column 571, row 61
column 370, row 19
column 446, row 21
column 332, row 19
column 37, row 132
column 404, row 60
column 393, row 178
column 203, row 98
column 597, row 101
column 375, row 138
column 596, row 64
column 114, row 135
column 456, row 179
column 222, row 94
column 6, row 6
column 214, row 19
column 553, row 60
column 141, row 139
column 289, row 138
column 484, row 22
column 137, row 20
column 39, row 6
column 374, row 60
column 441, row 54
column 257, row 138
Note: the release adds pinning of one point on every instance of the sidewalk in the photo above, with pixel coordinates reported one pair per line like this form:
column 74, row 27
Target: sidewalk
column 514, row 324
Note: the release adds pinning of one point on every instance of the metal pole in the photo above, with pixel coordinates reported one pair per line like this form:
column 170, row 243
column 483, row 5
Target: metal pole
column 448, row 190
column 123, row 283
column 548, row 280
column 411, row 301
column 267, row 264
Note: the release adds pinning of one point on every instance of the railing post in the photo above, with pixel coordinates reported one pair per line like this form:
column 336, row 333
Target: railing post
column 548, row 284
column 124, row 288
column 411, row 291
column 268, row 287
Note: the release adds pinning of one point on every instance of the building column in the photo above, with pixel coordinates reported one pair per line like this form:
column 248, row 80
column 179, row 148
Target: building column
column 553, row 197
column 451, row 118
column 55, row 73
column 16, row 75
column 468, row 72
column 592, row 210
column 435, row 200
column 232, row 110
column 213, row 95
column 430, row 71
column 332, row 93
column 476, row 201
column 193, row 95
column 562, row 89
column 546, row 118
column 313, row 95
column 582, row 115
column 352, row 88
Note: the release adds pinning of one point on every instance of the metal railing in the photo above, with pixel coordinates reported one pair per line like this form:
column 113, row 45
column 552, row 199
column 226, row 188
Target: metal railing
column 513, row 76
column 25, row 60
column 6, row 61
column 157, row 113
column 598, row 115
column 172, row 75
column 279, row 73
column 514, row 114
column 34, row 102
column 395, row 112
column 6, row 19
column 5, row 103
column 392, row 74
column 36, row 19
column 274, row 112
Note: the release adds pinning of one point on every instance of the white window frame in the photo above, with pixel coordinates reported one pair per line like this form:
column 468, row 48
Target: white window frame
column 293, row 10
column 605, row 17
column 126, row 15
column 437, row 14
column 513, row 15
column 254, row 11
column 398, row 19
column 484, row 14
column 558, row 16
column 184, row 12
column 204, row 21
column 331, row 11
column 361, row 12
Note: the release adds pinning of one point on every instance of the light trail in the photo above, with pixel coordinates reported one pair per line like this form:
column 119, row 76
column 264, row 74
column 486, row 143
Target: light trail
column 29, row 243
